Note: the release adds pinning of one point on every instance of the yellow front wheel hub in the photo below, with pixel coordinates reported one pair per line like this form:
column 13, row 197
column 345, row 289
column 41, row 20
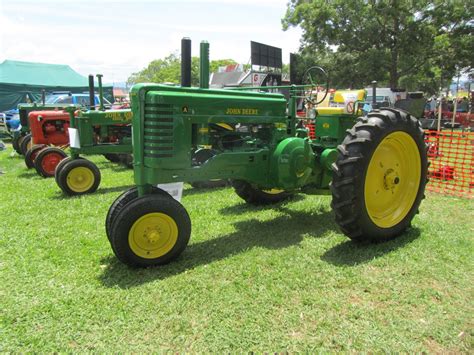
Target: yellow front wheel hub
column 393, row 179
column 80, row 179
column 153, row 235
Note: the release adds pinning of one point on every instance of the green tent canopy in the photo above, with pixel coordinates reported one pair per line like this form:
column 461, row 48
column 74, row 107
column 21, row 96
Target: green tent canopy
column 21, row 82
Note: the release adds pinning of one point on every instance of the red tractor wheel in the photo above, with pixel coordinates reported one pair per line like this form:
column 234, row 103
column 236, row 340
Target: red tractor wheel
column 31, row 154
column 47, row 160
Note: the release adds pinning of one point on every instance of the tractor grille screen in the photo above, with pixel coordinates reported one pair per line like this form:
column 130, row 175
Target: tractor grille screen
column 159, row 140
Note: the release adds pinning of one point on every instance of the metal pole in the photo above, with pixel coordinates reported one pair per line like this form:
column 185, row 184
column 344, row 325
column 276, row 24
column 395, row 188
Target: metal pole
column 101, row 92
column 439, row 114
column 374, row 94
column 455, row 107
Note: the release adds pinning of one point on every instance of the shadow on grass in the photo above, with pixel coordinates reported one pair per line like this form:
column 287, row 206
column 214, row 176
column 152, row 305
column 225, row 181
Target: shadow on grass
column 190, row 191
column 28, row 174
column 278, row 233
column 244, row 207
column 100, row 191
column 351, row 253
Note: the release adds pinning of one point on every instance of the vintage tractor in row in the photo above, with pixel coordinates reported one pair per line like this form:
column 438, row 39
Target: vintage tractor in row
column 84, row 132
column 375, row 166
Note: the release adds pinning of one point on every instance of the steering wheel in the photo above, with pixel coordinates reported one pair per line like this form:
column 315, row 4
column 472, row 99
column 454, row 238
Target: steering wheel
column 309, row 78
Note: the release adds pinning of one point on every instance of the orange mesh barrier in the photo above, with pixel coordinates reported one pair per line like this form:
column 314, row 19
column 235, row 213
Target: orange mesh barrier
column 452, row 162
column 311, row 130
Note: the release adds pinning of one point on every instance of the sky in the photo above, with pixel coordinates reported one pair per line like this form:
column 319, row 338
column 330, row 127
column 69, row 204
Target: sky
column 119, row 37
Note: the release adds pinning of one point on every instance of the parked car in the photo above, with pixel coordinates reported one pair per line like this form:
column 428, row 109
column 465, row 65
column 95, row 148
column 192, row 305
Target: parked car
column 12, row 117
column 74, row 99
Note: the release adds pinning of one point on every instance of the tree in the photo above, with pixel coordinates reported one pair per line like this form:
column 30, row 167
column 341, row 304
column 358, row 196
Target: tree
column 392, row 41
column 168, row 70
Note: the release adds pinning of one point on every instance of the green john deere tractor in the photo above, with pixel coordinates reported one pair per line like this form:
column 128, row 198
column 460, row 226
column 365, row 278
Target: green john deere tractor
column 375, row 166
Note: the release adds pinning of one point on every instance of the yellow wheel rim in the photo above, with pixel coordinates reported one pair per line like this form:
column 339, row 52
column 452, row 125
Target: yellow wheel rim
column 153, row 235
column 392, row 180
column 80, row 179
column 273, row 191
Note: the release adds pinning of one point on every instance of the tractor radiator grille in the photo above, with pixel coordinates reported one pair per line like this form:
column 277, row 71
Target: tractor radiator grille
column 158, row 135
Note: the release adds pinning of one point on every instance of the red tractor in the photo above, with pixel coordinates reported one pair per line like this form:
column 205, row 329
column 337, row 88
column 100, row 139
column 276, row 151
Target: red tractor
column 49, row 132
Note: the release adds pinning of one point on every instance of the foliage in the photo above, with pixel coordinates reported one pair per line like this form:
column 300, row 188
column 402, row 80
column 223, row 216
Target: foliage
column 420, row 44
column 269, row 279
column 168, row 70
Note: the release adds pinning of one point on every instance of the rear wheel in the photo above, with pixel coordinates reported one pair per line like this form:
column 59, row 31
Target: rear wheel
column 15, row 144
column 380, row 176
column 112, row 157
column 256, row 196
column 78, row 177
column 47, row 160
column 31, row 154
column 150, row 230
column 18, row 145
column 127, row 160
column 26, row 144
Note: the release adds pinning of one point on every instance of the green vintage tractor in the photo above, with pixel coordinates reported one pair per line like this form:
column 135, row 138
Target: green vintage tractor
column 375, row 166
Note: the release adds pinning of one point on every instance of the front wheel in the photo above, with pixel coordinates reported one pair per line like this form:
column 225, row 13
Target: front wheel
column 256, row 196
column 26, row 144
column 120, row 202
column 78, row 177
column 31, row 154
column 379, row 177
column 150, row 230
column 47, row 160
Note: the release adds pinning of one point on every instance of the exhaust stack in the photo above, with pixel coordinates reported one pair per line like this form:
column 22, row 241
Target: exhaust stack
column 91, row 93
column 204, row 65
column 186, row 62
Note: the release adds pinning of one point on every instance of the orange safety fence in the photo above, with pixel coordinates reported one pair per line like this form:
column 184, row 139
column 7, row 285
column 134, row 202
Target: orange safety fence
column 451, row 154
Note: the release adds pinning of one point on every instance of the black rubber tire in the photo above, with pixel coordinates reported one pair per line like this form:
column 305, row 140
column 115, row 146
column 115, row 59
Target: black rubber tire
column 68, row 167
column 350, row 170
column 59, row 167
column 18, row 144
column 255, row 196
column 112, row 157
column 15, row 144
column 127, row 160
column 139, row 207
column 125, row 198
column 31, row 154
column 42, row 155
column 25, row 144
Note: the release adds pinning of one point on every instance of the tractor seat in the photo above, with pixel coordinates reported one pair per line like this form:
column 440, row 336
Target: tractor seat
column 330, row 110
column 344, row 101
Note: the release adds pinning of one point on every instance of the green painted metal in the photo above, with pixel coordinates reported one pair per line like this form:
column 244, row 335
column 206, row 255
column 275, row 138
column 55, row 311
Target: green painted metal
column 259, row 143
column 204, row 65
column 254, row 136
column 95, row 127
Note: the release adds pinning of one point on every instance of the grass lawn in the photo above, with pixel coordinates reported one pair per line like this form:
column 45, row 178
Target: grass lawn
column 273, row 279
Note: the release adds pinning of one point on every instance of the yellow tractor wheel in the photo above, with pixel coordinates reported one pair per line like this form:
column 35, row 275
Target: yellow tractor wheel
column 380, row 176
column 150, row 230
column 78, row 177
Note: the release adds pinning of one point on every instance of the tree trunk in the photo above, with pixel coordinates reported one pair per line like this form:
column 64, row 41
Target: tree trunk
column 394, row 51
